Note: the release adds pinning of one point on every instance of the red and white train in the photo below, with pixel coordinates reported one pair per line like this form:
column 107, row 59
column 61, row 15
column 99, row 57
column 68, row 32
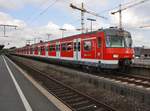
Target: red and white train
column 106, row 48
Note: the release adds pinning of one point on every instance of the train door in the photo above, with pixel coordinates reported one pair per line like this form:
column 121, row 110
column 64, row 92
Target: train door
column 46, row 49
column 77, row 49
column 99, row 48
column 58, row 49
column 39, row 50
column 43, row 51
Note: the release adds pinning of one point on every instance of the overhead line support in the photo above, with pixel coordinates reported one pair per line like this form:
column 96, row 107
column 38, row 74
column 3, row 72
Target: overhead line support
column 4, row 27
column 83, row 10
column 125, row 8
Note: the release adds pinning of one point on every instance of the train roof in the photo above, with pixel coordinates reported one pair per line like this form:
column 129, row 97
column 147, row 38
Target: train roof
column 108, row 31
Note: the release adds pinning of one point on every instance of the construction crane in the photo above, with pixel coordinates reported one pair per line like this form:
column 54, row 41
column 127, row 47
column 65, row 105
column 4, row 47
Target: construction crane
column 83, row 10
column 124, row 8
column 4, row 26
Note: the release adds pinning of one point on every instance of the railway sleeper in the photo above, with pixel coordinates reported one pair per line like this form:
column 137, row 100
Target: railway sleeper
column 65, row 94
column 57, row 90
column 80, row 103
column 71, row 97
column 54, row 87
column 51, row 83
column 61, row 92
column 93, row 109
column 90, row 107
column 75, row 100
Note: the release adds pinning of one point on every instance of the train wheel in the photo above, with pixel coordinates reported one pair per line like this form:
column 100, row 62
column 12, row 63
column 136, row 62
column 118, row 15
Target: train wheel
column 124, row 69
column 89, row 69
column 85, row 68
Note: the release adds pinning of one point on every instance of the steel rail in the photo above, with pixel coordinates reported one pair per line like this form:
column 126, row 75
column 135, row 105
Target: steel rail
column 75, row 100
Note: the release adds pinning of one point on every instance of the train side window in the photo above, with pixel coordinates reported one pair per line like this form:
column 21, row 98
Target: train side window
column 57, row 47
column 88, row 45
column 63, row 46
column 99, row 42
column 69, row 46
column 78, row 46
column 52, row 48
column 31, row 50
column 47, row 48
column 36, row 49
column 41, row 50
column 75, row 47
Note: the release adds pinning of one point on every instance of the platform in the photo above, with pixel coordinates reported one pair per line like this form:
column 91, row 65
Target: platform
column 144, row 63
column 17, row 93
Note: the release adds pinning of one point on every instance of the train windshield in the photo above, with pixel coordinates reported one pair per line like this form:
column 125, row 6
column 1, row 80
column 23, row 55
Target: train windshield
column 118, row 41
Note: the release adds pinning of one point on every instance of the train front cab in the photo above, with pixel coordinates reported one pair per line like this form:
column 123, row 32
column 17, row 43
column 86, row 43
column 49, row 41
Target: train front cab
column 117, row 49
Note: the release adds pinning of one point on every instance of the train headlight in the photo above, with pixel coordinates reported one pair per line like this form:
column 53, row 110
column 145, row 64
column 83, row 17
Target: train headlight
column 133, row 56
column 115, row 55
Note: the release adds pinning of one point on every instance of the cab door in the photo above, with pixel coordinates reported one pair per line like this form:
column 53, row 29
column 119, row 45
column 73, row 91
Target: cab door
column 99, row 53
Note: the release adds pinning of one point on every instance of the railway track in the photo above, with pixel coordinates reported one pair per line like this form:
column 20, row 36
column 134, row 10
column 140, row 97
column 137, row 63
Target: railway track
column 134, row 80
column 74, row 99
column 119, row 76
column 130, row 79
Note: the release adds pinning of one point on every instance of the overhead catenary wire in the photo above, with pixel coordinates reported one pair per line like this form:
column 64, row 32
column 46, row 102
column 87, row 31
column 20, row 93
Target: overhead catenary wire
column 51, row 4
column 125, row 8
column 42, row 4
column 113, row 8
column 43, row 11
column 135, row 4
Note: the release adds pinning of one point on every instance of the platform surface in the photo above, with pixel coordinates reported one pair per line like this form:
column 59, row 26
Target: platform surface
column 17, row 93
column 142, row 61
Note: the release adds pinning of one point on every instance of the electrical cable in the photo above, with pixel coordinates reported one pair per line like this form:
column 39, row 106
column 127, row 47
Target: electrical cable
column 44, row 11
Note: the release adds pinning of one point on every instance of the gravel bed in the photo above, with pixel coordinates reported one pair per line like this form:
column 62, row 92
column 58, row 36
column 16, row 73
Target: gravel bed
column 121, row 103
column 144, row 72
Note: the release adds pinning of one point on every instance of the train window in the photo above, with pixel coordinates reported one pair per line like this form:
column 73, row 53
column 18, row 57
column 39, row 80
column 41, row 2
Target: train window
column 36, row 48
column 31, row 50
column 63, row 46
column 52, row 48
column 87, row 45
column 75, row 47
column 46, row 48
column 99, row 42
column 128, row 41
column 115, row 41
column 57, row 47
column 78, row 46
column 69, row 46
column 41, row 50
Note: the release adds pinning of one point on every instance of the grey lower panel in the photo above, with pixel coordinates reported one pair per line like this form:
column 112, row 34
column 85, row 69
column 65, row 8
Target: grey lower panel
column 109, row 66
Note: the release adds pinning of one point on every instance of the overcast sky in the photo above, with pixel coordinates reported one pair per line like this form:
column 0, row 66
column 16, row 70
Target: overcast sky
column 37, row 18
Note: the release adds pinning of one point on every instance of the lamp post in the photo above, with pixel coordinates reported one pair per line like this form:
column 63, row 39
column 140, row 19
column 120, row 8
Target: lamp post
column 48, row 35
column 62, row 29
column 90, row 19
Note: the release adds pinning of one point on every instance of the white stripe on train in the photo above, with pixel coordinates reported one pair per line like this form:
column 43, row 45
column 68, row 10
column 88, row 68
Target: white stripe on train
column 85, row 60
